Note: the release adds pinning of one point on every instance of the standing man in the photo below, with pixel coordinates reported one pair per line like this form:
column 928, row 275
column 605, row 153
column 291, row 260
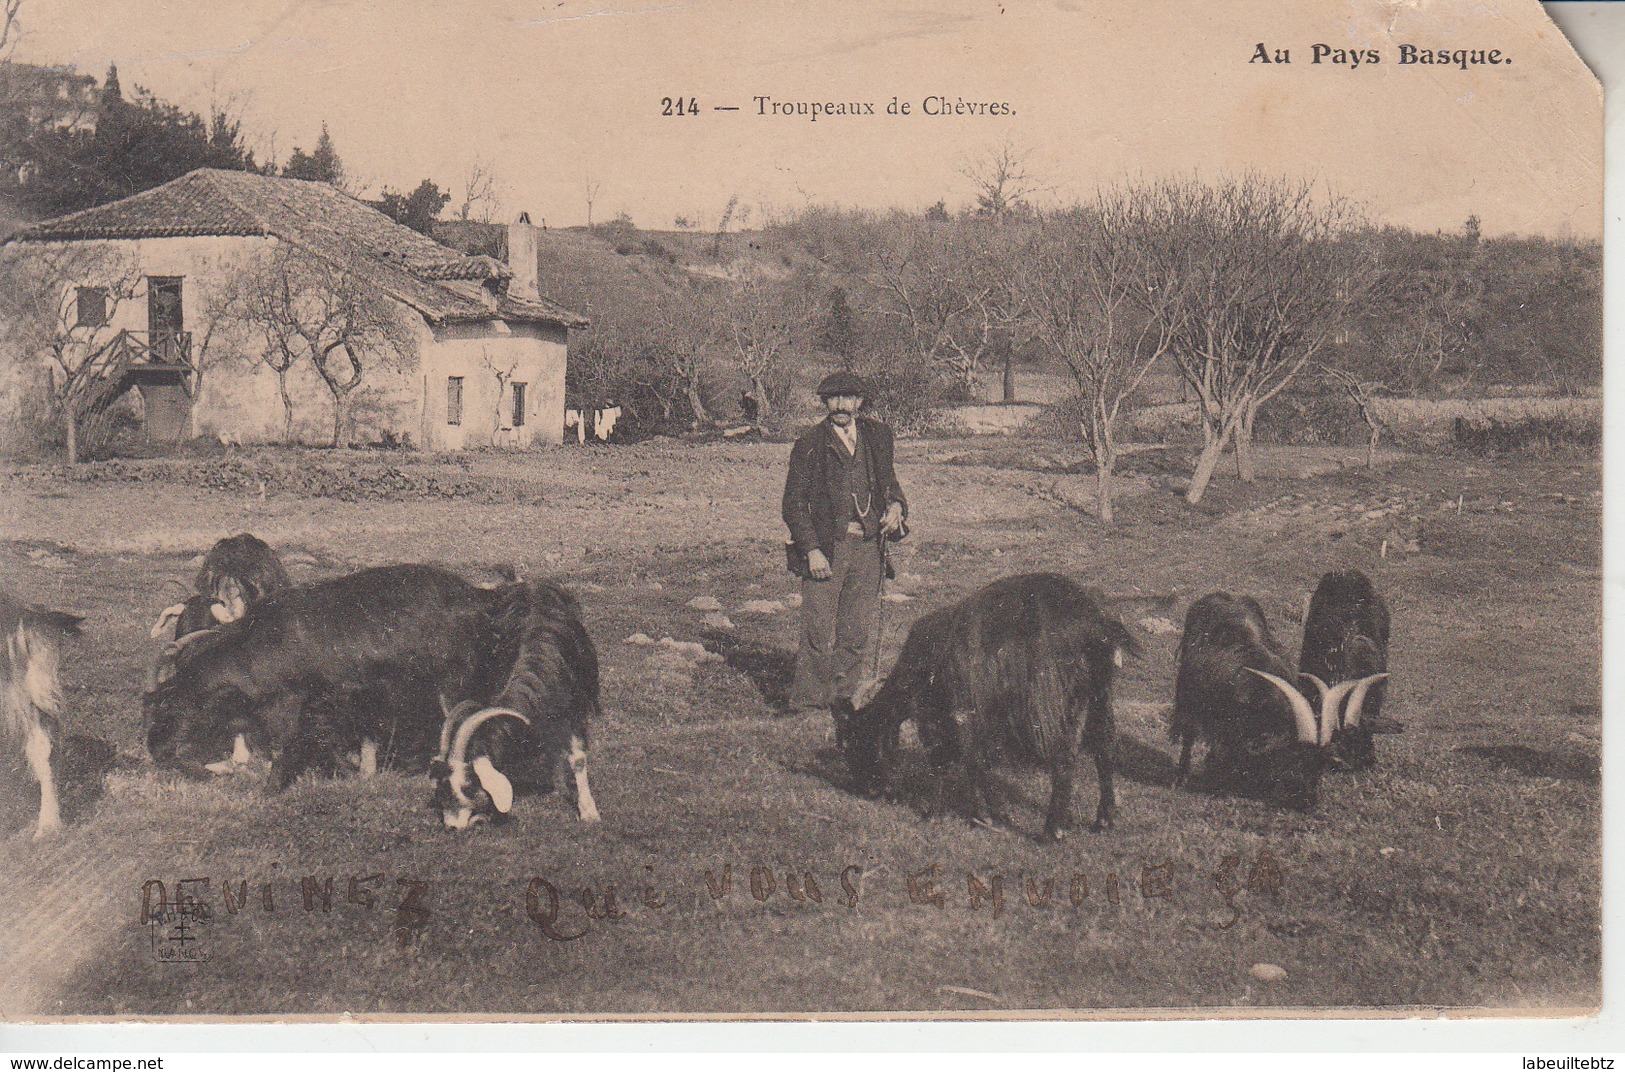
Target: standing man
column 841, row 500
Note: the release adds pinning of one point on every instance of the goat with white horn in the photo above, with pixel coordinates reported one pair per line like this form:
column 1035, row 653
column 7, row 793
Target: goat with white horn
column 460, row 800
column 1345, row 647
column 1235, row 692
column 545, row 700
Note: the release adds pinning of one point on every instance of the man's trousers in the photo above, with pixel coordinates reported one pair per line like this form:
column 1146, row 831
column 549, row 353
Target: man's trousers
column 838, row 619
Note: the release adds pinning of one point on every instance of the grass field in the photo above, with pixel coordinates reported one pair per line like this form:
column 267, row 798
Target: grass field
column 1463, row 872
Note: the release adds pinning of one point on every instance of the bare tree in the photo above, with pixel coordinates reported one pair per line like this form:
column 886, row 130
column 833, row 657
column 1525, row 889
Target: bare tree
column 948, row 286
column 592, row 187
column 215, row 319
column 1000, row 178
column 1083, row 277
column 10, row 27
column 1266, row 273
column 758, row 320
column 328, row 313
column 10, row 31
column 265, row 308
column 480, row 200
column 684, row 346
column 502, row 375
column 1363, row 394
column 723, row 222
column 1427, row 308
column 59, row 306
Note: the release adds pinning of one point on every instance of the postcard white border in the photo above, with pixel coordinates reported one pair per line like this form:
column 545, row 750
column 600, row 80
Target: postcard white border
column 1597, row 31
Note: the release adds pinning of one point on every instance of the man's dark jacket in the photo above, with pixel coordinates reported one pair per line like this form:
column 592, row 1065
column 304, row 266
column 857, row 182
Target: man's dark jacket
column 815, row 505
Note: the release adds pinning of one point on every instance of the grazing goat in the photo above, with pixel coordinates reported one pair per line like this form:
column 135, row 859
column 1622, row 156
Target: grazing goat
column 319, row 668
column 537, row 717
column 1030, row 661
column 1345, row 656
column 1235, row 692
column 31, row 694
column 380, row 655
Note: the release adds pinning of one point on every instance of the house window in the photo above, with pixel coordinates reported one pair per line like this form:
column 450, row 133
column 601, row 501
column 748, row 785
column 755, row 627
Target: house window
column 92, row 307
column 518, row 405
column 454, row 400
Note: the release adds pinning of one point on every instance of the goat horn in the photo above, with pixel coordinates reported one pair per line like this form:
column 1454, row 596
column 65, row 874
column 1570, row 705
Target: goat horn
column 1320, row 687
column 1302, row 714
column 465, row 732
column 173, row 648
column 452, row 716
column 1331, row 710
column 448, row 721
column 866, row 692
column 167, row 615
column 1357, row 697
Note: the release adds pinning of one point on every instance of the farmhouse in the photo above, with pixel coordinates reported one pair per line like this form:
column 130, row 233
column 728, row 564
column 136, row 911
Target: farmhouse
column 478, row 355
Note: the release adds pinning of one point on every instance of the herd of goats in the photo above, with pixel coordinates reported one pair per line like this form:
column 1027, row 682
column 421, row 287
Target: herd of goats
column 499, row 684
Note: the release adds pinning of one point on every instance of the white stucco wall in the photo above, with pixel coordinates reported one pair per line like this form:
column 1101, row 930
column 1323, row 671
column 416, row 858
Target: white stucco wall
column 238, row 398
column 531, row 354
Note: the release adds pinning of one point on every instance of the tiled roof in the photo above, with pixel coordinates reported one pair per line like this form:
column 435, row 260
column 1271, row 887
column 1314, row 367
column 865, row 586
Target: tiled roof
column 477, row 267
column 437, row 281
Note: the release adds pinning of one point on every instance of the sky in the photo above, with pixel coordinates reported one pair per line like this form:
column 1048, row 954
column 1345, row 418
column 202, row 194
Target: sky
column 559, row 96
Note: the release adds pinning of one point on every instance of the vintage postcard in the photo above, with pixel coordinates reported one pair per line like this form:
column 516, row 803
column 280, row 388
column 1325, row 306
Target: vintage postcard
column 726, row 510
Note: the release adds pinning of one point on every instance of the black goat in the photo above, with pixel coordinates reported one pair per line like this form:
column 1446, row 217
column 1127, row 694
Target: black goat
column 1345, row 651
column 382, row 655
column 316, row 670
column 1029, row 660
column 537, row 718
column 31, row 694
column 1235, row 692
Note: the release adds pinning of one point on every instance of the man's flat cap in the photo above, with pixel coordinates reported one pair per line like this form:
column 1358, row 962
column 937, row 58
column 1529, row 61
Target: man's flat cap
column 841, row 383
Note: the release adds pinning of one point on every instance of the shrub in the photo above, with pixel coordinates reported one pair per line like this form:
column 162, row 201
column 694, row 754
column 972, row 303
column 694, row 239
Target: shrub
column 621, row 234
column 1537, row 435
column 1058, row 422
column 303, row 474
column 657, row 249
column 1171, row 422
column 1430, row 424
column 1318, row 417
column 904, row 390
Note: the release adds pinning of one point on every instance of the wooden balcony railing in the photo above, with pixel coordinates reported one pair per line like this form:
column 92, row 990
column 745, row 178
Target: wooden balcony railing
column 153, row 349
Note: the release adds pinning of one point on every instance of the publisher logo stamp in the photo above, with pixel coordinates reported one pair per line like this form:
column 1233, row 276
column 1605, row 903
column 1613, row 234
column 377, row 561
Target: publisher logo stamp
column 178, row 932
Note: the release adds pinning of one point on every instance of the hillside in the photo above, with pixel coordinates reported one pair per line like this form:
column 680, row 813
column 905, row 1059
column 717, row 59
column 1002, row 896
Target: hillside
column 610, row 270
column 626, row 281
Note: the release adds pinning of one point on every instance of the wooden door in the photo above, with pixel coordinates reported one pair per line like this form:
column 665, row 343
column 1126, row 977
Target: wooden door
column 165, row 318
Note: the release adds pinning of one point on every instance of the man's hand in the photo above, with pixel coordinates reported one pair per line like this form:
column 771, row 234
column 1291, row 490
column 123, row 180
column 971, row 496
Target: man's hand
column 817, row 565
column 893, row 518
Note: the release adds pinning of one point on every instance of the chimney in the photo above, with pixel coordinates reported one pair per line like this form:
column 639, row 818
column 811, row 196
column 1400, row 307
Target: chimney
column 522, row 257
